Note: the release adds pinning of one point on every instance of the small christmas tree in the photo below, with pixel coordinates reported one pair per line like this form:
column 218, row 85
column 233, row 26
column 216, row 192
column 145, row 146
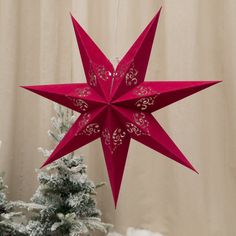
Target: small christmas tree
column 64, row 202
column 8, row 218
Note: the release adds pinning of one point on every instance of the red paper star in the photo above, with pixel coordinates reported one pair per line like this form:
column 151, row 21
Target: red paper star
column 116, row 104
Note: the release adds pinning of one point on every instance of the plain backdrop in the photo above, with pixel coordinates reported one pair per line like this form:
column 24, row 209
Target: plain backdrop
column 195, row 40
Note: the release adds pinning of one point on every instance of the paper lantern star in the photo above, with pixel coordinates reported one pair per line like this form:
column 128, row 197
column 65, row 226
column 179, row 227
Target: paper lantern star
column 116, row 104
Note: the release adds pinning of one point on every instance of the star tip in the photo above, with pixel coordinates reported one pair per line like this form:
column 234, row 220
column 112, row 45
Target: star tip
column 72, row 17
column 157, row 16
column 211, row 83
column 115, row 203
column 30, row 88
column 25, row 87
column 43, row 165
column 215, row 81
column 159, row 11
column 193, row 169
column 115, row 199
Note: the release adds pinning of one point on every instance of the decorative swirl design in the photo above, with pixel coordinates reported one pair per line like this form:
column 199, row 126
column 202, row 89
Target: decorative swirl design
column 141, row 121
column 84, row 120
column 131, row 76
column 131, row 128
column 102, row 73
column 114, row 140
column 80, row 103
column 92, row 128
column 83, row 92
column 107, row 137
column 92, row 76
column 144, row 103
column 98, row 72
column 118, row 136
column 121, row 72
column 144, row 91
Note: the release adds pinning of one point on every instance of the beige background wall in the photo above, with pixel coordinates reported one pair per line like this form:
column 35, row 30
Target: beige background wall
column 195, row 41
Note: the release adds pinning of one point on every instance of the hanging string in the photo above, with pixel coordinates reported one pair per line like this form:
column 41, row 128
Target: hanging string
column 116, row 59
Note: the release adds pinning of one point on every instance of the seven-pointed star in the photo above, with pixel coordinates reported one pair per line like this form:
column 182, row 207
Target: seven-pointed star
column 116, row 104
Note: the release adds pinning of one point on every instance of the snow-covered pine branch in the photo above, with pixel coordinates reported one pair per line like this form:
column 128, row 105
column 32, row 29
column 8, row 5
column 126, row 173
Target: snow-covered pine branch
column 9, row 223
column 64, row 203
